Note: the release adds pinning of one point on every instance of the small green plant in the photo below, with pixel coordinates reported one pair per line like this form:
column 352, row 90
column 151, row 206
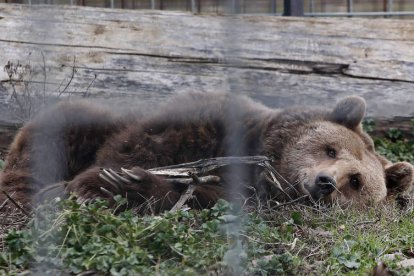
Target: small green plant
column 368, row 125
column 395, row 146
column 73, row 238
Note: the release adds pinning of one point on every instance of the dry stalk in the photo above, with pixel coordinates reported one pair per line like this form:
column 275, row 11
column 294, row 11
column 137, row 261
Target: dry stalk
column 16, row 204
column 70, row 79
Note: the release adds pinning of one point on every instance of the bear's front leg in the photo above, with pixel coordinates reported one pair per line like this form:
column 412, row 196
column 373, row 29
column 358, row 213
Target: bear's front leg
column 140, row 188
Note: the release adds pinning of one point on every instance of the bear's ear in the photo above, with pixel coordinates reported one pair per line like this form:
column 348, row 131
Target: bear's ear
column 349, row 112
column 399, row 178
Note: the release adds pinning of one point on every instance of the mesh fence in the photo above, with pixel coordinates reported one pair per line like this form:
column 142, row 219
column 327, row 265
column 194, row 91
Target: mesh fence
column 381, row 8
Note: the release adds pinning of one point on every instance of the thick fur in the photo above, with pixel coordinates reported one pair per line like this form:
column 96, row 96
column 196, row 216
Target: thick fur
column 74, row 141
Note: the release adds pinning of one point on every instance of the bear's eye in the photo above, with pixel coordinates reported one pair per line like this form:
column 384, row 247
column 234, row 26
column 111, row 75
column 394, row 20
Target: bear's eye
column 354, row 182
column 331, row 152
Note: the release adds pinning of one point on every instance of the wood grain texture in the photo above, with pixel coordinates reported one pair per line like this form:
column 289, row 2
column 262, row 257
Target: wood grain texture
column 120, row 56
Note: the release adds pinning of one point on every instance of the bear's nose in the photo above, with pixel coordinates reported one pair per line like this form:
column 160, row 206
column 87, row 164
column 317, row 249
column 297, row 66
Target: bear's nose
column 325, row 183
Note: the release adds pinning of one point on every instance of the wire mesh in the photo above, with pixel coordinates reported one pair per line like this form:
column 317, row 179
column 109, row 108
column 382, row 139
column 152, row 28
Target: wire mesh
column 350, row 8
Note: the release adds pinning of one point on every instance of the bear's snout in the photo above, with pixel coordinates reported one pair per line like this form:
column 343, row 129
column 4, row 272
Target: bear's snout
column 324, row 184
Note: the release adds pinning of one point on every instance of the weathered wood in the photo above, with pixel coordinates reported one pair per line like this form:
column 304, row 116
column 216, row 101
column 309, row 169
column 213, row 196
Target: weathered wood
column 121, row 55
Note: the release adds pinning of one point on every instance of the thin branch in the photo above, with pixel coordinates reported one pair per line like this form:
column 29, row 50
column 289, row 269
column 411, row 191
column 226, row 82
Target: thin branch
column 203, row 166
column 367, row 222
column 16, row 204
column 16, row 96
column 5, row 202
column 269, row 243
column 44, row 77
column 183, row 199
column 272, row 170
column 187, row 181
column 71, row 77
column 86, row 93
column 291, row 202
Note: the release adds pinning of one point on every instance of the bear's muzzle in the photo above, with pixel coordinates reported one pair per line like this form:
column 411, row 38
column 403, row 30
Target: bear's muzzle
column 324, row 185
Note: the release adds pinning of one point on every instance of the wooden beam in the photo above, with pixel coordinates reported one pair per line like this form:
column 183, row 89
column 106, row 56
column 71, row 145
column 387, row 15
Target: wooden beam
column 124, row 56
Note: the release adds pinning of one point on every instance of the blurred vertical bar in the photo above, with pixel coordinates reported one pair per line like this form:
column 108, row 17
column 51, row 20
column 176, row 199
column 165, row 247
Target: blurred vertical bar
column 350, row 7
column 312, row 6
column 152, row 4
column 389, row 6
column 235, row 6
column 273, row 7
column 293, row 8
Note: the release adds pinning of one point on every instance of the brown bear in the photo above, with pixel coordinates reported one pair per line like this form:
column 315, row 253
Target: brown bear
column 323, row 153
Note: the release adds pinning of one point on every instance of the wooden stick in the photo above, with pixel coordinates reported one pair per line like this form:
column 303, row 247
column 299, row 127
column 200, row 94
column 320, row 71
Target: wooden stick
column 206, row 165
column 202, row 180
column 183, row 199
column 5, row 202
column 16, row 204
column 187, row 195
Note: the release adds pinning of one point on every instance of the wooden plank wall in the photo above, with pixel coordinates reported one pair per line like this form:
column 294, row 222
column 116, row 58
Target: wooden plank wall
column 123, row 55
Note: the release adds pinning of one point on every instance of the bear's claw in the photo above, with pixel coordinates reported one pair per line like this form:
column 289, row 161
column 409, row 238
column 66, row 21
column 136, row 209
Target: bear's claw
column 131, row 175
column 110, row 194
column 104, row 176
column 116, row 180
column 117, row 176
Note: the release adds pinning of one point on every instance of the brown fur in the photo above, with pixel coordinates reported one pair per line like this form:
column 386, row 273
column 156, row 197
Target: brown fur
column 74, row 141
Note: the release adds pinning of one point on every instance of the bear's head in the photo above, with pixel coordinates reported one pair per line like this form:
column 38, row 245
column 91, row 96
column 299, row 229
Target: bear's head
column 332, row 159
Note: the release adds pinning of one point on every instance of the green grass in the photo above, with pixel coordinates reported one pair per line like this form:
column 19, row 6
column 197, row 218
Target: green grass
column 394, row 146
column 65, row 237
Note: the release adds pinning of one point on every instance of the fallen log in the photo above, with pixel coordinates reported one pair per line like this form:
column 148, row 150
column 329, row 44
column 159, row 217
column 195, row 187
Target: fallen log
column 118, row 57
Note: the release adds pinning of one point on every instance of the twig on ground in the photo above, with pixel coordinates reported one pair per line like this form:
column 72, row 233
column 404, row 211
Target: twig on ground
column 187, row 195
column 5, row 202
column 367, row 222
column 270, row 243
column 291, row 202
column 203, row 166
column 275, row 174
column 202, row 180
column 16, row 204
column 313, row 252
column 183, row 199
